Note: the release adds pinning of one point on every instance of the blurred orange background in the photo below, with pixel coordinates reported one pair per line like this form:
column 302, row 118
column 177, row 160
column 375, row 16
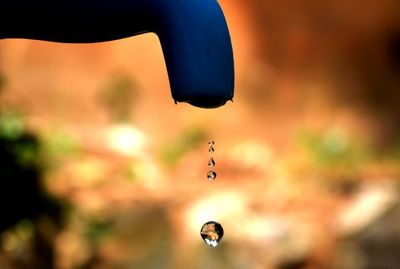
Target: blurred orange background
column 307, row 156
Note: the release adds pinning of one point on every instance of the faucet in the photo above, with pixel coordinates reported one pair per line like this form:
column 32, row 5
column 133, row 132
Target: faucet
column 193, row 34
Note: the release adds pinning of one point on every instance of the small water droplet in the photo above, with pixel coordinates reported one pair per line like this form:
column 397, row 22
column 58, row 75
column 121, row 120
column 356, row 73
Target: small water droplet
column 211, row 162
column 212, row 233
column 211, row 175
column 211, row 143
column 211, row 149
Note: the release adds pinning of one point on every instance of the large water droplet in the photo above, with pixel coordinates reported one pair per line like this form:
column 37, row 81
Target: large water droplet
column 211, row 162
column 212, row 232
column 211, row 175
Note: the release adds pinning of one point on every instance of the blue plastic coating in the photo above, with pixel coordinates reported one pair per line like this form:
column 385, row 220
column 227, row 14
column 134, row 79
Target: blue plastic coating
column 193, row 34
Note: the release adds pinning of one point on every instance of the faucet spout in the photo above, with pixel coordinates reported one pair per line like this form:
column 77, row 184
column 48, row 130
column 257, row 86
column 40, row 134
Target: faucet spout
column 193, row 34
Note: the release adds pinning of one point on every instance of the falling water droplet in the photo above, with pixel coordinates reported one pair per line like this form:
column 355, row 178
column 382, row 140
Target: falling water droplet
column 211, row 175
column 212, row 233
column 211, row 149
column 211, row 143
column 211, row 162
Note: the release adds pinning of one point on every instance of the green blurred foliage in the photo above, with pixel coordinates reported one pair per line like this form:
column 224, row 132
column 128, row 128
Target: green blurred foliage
column 24, row 229
column 57, row 146
column 12, row 124
column 27, row 153
column 177, row 147
column 13, row 131
column 333, row 148
column 118, row 96
column 98, row 230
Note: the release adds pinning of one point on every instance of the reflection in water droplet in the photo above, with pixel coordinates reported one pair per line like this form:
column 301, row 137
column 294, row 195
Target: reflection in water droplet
column 211, row 175
column 211, row 162
column 212, row 232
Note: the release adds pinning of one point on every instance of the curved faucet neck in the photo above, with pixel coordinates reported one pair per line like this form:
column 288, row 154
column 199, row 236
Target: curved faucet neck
column 193, row 34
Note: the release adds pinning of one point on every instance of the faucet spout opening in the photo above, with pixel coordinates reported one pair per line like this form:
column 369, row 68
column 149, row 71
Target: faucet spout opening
column 198, row 53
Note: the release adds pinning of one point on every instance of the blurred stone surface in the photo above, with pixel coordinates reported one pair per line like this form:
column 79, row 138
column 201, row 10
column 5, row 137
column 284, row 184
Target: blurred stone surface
column 374, row 241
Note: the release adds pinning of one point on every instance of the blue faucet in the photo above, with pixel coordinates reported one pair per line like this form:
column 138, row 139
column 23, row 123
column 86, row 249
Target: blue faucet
column 193, row 34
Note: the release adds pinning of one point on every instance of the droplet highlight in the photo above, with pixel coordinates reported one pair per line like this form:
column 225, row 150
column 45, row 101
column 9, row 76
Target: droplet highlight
column 211, row 162
column 211, row 175
column 212, row 233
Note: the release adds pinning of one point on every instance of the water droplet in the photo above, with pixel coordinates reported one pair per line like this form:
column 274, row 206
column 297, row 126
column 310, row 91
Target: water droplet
column 211, row 162
column 211, row 149
column 211, row 143
column 212, row 233
column 211, row 175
